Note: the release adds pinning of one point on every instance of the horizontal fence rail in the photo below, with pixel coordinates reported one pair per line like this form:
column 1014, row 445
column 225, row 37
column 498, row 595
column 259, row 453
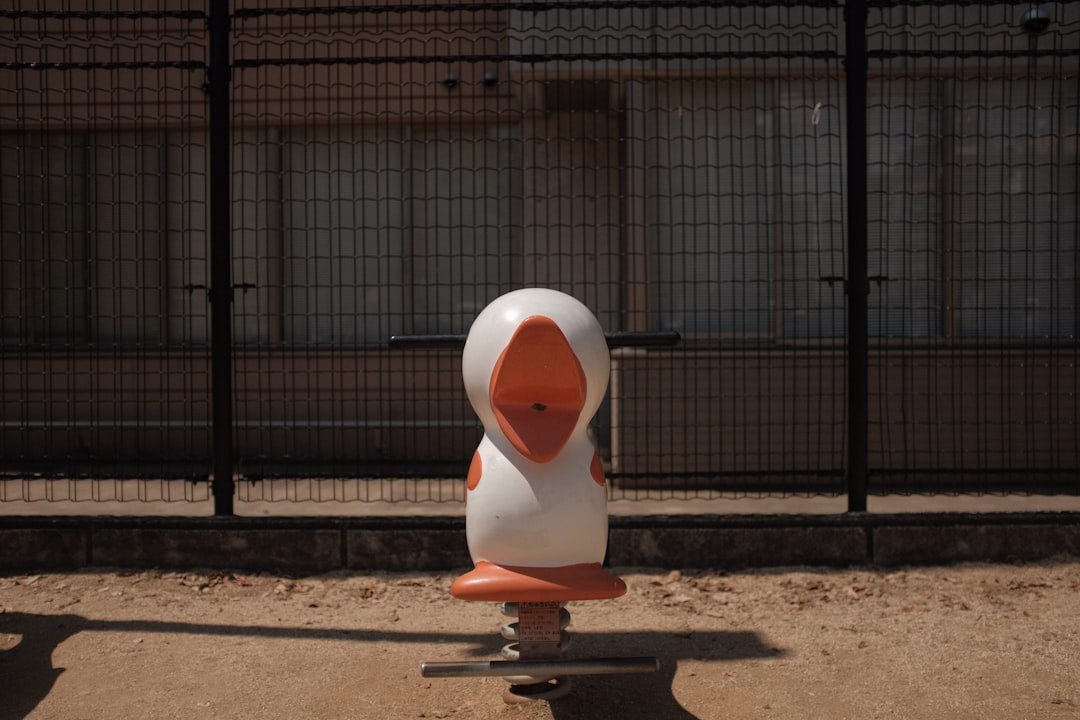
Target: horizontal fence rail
column 858, row 218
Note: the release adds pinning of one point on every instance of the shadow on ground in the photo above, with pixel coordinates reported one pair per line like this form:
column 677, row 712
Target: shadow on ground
column 29, row 673
column 626, row 697
column 27, row 670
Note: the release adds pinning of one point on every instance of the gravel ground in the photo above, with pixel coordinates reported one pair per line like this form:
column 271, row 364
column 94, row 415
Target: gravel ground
column 971, row 641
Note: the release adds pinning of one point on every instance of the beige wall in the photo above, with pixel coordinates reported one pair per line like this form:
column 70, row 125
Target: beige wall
column 774, row 413
column 376, row 406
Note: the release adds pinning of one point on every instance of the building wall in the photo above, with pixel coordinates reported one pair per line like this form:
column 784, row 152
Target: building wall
column 675, row 168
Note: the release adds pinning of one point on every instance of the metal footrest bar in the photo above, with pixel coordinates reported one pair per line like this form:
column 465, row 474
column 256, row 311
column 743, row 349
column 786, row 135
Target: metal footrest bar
column 539, row 668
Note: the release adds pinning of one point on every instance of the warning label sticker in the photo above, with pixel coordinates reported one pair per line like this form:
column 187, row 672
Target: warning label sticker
column 539, row 622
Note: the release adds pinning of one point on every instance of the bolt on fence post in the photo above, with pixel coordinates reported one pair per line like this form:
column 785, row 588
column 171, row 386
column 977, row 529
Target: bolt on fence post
column 220, row 258
column 857, row 285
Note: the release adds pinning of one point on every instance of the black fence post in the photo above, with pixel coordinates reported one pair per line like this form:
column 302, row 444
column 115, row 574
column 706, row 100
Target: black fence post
column 857, row 283
column 221, row 258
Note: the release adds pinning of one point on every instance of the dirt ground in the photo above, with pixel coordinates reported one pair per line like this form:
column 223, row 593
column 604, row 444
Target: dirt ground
column 974, row 641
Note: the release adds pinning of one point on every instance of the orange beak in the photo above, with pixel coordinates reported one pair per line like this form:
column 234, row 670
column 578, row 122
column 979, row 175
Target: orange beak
column 538, row 389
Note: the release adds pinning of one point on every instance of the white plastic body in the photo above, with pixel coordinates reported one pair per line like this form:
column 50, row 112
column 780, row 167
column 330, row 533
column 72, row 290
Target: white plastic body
column 525, row 513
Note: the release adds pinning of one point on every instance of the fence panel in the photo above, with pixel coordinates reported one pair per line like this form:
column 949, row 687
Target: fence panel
column 103, row 253
column 973, row 117
column 677, row 165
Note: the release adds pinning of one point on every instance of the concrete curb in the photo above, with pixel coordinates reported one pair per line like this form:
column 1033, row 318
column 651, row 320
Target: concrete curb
column 438, row 543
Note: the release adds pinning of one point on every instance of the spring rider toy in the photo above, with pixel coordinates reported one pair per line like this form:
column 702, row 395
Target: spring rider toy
column 535, row 368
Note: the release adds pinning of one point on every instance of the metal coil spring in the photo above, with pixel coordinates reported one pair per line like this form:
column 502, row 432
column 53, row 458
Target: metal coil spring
column 534, row 687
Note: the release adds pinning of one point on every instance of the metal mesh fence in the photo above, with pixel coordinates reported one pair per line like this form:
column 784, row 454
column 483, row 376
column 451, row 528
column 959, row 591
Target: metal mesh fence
column 103, row 340
column 973, row 114
column 427, row 158
column 676, row 165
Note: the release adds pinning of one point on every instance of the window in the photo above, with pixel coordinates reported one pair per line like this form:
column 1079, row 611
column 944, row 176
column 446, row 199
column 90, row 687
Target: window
column 745, row 214
column 342, row 234
column 1015, row 164
column 972, row 208
column 90, row 227
column 904, row 211
column 711, row 209
column 350, row 234
column 344, row 215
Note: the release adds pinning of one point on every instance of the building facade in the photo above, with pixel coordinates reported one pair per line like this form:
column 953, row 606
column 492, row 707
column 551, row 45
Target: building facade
column 676, row 166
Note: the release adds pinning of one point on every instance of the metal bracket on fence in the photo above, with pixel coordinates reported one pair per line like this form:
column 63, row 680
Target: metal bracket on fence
column 878, row 280
column 834, row 279
column 192, row 287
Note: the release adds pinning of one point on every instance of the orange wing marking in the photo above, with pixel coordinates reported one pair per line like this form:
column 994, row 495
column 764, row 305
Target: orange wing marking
column 476, row 468
column 596, row 469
